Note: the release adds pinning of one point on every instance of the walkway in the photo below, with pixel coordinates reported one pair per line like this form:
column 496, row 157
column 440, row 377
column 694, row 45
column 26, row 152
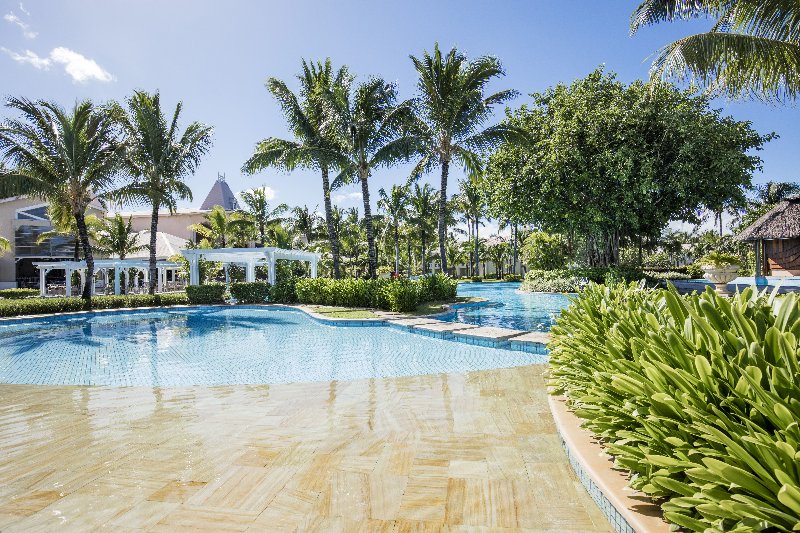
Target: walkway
column 422, row 453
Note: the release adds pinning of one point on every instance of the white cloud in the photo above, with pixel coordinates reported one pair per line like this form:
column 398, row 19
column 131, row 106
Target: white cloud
column 80, row 68
column 28, row 57
column 11, row 18
column 22, row 8
column 345, row 198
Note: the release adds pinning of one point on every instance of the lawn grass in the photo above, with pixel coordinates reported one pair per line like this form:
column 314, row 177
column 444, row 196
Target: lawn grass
column 343, row 312
column 431, row 308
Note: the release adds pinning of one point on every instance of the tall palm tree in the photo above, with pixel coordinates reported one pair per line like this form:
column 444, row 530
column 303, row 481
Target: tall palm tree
column 305, row 222
column 371, row 129
column 220, row 228
column 422, row 207
column 260, row 213
column 473, row 205
column 115, row 237
column 395, row 205
column 159, row 157
column 63, row 157
column 454, row 109
column 63, row 225
column 753, row 48
column 312, row 147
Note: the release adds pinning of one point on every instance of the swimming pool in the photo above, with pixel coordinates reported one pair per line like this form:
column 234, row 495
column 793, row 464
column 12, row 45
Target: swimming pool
column 507, row 307
column 225, row 345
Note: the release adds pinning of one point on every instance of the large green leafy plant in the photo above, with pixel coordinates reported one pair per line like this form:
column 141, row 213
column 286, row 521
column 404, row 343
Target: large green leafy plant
column 698, row 396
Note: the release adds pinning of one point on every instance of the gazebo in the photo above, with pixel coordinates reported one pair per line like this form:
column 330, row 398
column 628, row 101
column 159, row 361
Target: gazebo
column 250, row 258
column 121, row 267
column 776, row 239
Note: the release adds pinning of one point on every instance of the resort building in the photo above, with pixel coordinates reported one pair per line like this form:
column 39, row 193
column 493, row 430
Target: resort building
column 776, row 238
column 24, row 219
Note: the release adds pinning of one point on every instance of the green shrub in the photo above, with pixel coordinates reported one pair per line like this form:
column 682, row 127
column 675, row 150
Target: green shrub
column 476, row 279
column 38, row 306
column 15, row 294
column 694, row 271
column 402, row 295
column 211, row 293
column 552, row 281
column 139, row 300
column 436, row 287
column 665, row 276
column 719, row 260
column 284, row 291
column 512, row 277
column 255, row 292
column 544, row 251
column 698, row 396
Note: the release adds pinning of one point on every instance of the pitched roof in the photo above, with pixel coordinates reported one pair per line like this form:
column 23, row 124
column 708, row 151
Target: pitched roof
column 167, row 245
column 781, row 222
column 220, row 194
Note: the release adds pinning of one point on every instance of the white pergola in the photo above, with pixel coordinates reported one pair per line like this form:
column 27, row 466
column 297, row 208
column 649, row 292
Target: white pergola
column 102, row 266
column 250, row 258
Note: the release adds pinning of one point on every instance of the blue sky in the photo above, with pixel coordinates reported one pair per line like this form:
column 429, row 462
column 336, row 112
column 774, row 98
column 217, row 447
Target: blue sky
column 216, row 56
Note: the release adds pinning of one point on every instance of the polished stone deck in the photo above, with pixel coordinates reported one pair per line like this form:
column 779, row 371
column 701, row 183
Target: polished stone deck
column 474, row 452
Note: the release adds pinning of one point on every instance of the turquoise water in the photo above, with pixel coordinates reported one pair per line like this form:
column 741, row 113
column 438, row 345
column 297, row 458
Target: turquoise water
column 225, row 345
column 507, row 307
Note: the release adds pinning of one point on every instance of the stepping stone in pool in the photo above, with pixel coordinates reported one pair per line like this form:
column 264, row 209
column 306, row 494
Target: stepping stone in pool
column 445, row 326
column 535, row 337
column 497, row 334
column 411, row 322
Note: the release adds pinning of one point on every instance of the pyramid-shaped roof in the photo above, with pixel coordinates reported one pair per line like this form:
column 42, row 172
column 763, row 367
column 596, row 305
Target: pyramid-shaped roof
column 220, row 194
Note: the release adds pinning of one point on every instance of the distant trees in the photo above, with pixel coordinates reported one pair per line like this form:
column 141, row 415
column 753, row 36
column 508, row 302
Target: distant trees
column 612, row 164
column 115, row 237
column 395, row 205
column 259, row 212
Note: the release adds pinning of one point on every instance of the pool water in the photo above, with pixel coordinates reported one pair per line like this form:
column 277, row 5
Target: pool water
column 508, row 307
column 225, row 345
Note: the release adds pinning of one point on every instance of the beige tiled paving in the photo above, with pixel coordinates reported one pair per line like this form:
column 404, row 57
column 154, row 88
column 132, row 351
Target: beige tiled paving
column 474, row 452
column 440, row 326
column 492, row 333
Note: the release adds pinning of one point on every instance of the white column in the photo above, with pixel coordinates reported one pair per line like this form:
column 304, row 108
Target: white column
column 82, row 274
column 127, row 279
column 194, row 270
column 42, row 281
column 251, row 271
column 116, row 280
column 68, row 285
column 160, row 279
column 271, row 273
column 314, row 268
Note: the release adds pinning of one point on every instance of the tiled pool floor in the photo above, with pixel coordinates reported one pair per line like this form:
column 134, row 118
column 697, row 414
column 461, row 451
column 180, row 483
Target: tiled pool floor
column 441, row 452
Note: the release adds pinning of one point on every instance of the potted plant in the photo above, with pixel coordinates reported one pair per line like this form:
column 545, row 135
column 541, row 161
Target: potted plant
column 720, row 269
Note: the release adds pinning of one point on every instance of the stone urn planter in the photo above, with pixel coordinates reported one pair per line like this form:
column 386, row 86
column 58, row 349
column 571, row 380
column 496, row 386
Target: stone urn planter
column 720, row 276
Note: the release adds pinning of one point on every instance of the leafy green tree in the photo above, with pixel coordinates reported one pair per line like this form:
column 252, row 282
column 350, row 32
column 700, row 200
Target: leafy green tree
column 371, row 129
column 615, row 164
column 159, row 157
column 305, row 222
column 260, row 213
column 454, row 109
column 115, row 237
column 64, row 157
column 395, row 205
column 5, row 245
column 544, row 251
column 497, row 251
column 753, row 48
column 220, row 228
column 472, row 202
column 313, row 147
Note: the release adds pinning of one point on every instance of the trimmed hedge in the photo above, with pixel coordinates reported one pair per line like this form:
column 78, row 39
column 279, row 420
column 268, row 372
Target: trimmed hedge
column 40, row 306
column 15, row 294
column 394, row 294
column 284, row 291
column 255, row 292
column 512, row 277
column 698, row 396
column 211, row 293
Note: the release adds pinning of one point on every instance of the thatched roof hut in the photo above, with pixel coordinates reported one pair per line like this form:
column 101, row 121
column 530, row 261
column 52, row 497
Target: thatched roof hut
column 776, row 237
column 781, row 222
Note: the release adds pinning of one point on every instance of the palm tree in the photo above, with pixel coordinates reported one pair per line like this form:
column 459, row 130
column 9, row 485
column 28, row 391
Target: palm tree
column 473, row 205
column 753, row 48
column 312, row 147
column 63, row 225
column 63, row 157
column 115, row 236
column 422, row 205
column 260, row 213
column 305, row 222
column 395, row 205
column 371, row 132
column 159, row 157
column 220, row 228
column 454, row 108
column 773, row 192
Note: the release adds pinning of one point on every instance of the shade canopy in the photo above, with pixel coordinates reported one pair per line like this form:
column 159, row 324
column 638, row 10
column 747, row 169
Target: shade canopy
column 118, row 265
column 781, row 222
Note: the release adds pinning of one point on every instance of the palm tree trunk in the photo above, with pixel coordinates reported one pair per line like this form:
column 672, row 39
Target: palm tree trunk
column 443, row 213
column 371, row 252
column 153, row 235
column 332, row 236
column 396, row 249
column 514, row 256
column 424, row 267
column 83, row 235
column 262, row 233
column 477, row 257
